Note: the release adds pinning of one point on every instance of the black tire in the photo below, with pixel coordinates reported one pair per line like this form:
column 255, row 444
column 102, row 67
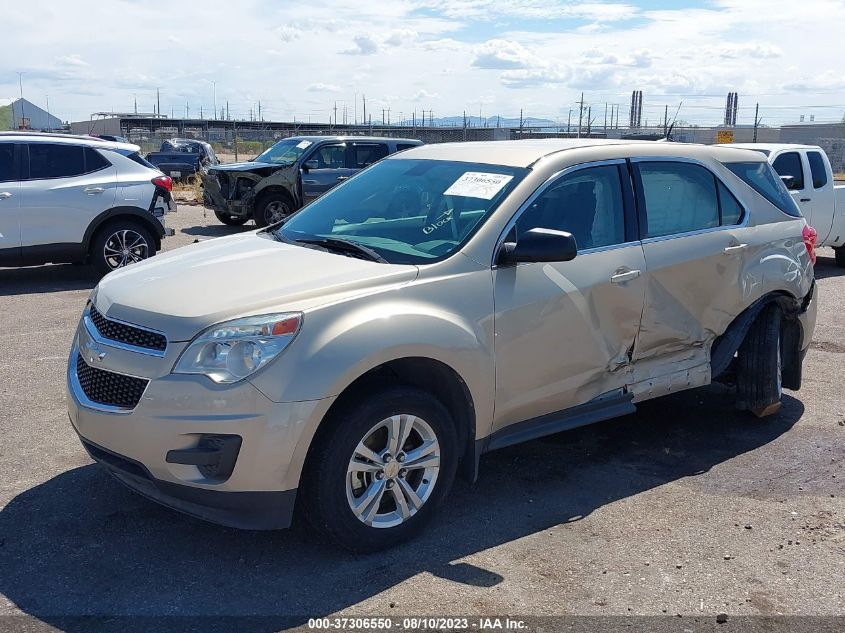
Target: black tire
column 839, row 253
column 230, row 220
column 323, row 494
column 134, row 234
column 271, row 208
column 759, row 364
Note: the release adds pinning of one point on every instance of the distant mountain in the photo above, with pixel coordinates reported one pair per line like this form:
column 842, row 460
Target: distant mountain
column 474, row 121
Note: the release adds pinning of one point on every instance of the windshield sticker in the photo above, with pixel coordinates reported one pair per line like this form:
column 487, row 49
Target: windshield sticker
column 476, row 184
column 303, row 144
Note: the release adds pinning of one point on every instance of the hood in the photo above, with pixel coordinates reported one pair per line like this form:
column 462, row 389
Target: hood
column 186, row 290
column 247, row 166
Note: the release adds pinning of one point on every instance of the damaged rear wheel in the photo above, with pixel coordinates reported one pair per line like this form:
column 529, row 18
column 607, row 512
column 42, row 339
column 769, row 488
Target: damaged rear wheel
column 760, row 364
column 272, row 208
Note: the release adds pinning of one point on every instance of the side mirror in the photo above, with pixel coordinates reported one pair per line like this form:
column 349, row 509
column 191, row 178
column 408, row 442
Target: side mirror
column 310, row 164
column 789, row 181
column 539, row 245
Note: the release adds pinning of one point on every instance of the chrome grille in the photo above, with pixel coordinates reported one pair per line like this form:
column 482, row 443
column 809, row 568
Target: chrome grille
column 127, row 334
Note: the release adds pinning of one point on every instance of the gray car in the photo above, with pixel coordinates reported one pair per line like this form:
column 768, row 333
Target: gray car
column 522, row 288
column 290, row 174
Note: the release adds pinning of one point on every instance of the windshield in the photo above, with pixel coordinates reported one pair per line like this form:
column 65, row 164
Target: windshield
column 284, row 152
column 407, row 211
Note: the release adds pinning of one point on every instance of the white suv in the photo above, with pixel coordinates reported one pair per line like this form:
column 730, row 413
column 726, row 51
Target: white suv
column 79, row 199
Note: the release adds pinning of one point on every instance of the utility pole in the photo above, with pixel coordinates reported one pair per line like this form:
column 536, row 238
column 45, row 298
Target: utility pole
column 520, row 121
column 605, row 118
column 580, row 115
column 569, row 121
column 335, row 112
column 465, row 125
column 388, row 115
column 756, row 120
column 260, row 118
column 364, row 98
column 382, row 116
column 589, row 120
column 186, row 110
column 665, row 120
column 136, row 104
column 355, row 108
column 158, row 101
column 23, row 112
column 48, row 111
column 227, row 109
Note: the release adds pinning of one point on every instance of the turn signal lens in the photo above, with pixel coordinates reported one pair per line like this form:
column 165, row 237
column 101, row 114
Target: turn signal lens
column 165, row 182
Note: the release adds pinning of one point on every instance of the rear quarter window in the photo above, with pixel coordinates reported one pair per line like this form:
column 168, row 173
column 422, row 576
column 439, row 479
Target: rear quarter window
column 762, row 178
column 817, row 169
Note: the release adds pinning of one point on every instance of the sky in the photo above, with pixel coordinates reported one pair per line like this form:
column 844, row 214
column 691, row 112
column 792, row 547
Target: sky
column 491, row 57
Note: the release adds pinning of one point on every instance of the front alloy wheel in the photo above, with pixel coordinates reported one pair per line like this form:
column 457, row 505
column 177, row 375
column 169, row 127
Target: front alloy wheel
column 393, row 471
column 379, row 468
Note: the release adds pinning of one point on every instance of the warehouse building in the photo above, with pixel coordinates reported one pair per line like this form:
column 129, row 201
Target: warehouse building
column 20, row 114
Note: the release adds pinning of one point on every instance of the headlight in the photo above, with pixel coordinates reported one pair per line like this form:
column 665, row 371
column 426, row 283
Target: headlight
column 231, row 351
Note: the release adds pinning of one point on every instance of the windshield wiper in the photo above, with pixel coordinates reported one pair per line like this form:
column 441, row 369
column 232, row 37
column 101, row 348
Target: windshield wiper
column 344, row 246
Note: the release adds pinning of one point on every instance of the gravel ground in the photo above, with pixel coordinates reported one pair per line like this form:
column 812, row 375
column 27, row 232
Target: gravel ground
column 685, row 507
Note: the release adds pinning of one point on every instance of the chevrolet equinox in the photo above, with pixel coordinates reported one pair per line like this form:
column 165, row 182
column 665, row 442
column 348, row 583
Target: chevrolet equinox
column 447, row 301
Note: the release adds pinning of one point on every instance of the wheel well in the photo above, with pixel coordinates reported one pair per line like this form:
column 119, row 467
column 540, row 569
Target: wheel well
column 261, row 195
column 111, row 217
column 725, row 346
column 426, row 374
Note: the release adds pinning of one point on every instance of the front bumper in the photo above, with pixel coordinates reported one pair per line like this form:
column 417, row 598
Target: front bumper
column 263, row 510
column 177, row 413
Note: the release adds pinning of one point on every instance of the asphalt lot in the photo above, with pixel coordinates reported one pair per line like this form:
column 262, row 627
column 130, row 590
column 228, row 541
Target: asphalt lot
column 685, row 507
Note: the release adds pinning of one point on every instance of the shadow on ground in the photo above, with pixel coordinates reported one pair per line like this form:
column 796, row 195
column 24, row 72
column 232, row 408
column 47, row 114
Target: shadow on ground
column 216, row 230
column 826, row 266
column 48, row 278
column 81, row 544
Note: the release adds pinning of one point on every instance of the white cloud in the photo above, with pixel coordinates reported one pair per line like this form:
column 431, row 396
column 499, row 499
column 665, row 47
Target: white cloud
column 321, row 87
column 756, row 51
column 399, row 37
column 503, row 55
column 424, row 94
column 364, row 45
column 71, row 60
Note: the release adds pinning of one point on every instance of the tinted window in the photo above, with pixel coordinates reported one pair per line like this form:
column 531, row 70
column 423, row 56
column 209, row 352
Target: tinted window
column 330, row 157
column 730, row 207
column 817, row 169
column 135, row 157
column 762, row 178
column 55, row 161
column 7, row 162
column 366, row 155
column 94, row 161
column 587, row 203
column 679, row 197
column 408, row 211
column 789, row 164
column 401, row 146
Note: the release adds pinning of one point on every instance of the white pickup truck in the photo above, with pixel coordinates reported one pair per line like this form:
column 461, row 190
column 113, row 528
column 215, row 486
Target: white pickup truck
column 806, row 171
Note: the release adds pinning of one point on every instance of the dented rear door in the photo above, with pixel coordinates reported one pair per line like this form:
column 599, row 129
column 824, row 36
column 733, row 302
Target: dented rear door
column 693, row 242
column 564, row 331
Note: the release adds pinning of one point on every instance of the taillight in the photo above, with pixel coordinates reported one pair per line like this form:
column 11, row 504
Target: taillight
column 809, row 235
column 165, row 182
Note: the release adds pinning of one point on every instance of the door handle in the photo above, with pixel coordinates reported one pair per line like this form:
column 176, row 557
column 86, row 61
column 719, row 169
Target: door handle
column 4, row 195
column 91, row 190
column 805, row 200
column 621, row 278
column 310, row 182
column 736, row 248
column 342, row 178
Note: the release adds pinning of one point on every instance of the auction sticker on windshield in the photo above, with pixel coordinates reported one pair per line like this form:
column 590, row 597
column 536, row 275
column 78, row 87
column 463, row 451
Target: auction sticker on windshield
column 303, row 144
column 476, row 184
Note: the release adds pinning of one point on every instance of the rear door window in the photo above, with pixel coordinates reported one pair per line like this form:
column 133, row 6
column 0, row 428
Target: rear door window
column 789, row 164
column 818, row 170
column 48, row 160
column 364, row 155
column 7, row 162
column 679, row 198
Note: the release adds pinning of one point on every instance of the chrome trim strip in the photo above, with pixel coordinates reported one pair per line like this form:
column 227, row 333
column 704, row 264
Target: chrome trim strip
column 79, row 394
column 539, row 191
column 94, row 333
